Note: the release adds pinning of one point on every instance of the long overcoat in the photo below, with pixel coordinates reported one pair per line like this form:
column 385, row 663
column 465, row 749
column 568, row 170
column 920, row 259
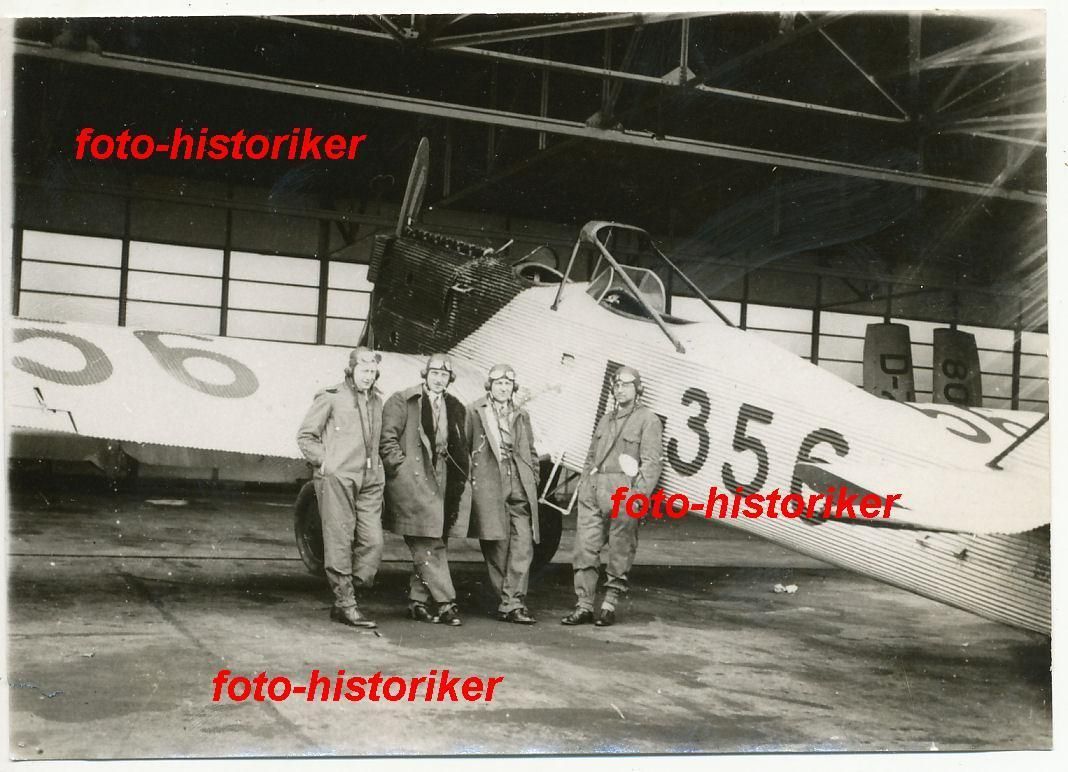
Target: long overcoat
column 415, row 504
column 489, row 516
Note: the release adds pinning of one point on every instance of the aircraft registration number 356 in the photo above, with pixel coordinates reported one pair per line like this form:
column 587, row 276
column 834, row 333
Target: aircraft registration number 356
column 745, row 441
column 749, row 420
column 752, row 420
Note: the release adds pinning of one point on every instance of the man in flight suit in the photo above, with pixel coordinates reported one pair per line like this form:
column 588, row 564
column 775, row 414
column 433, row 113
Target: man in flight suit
column 504, row 491
column 339, row 437
column 424, row 449
column 625, row 452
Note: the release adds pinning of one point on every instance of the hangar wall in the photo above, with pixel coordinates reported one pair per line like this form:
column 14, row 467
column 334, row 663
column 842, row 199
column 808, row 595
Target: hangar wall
column 208, row 260
column 205, row 259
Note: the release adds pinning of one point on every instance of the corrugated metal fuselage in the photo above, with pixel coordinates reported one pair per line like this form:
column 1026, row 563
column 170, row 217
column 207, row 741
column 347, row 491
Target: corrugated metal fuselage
column 738, row 412
column 741, row 413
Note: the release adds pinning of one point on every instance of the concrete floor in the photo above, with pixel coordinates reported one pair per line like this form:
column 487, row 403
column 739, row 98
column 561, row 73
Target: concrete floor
column 121, row 611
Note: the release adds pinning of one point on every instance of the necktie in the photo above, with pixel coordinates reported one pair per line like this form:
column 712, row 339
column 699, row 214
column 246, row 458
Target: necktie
column 504, row 426
column 365, row 427
column 440, row 427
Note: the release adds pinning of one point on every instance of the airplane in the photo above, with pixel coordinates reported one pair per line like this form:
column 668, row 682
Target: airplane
column 970, row 529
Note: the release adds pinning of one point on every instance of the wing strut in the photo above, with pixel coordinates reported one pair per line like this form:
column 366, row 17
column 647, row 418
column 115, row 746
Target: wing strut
column 549, row 488
column 993, row 463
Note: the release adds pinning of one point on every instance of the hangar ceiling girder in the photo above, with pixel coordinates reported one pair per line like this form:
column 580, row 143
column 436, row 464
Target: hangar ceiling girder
column 787, row 35
column 987, row 45
column 537, row 123
column 984, row 50
column 515, row 156
column 864, row 73
column 929, row 121
column 590, row 24
column 621, row 75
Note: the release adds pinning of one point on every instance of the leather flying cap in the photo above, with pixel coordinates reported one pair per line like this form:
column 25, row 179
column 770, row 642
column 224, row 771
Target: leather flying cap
column 439, row 362
column 364, row 355
column 628, row 375
column 501, row 371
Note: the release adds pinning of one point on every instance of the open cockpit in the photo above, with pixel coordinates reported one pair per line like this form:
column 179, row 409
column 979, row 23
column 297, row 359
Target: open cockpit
column 630, row 276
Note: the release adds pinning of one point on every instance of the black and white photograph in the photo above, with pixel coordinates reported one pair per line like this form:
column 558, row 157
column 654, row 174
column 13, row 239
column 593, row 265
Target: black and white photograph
column 615, row 383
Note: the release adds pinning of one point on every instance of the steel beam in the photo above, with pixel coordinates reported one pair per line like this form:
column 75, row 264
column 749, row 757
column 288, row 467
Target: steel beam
column 589, row 24
column 915, row 53
column 617, row 75
column 628, row 58
column 792, row 103
column 325, row 27
column 941, row 105
column 866, row 75
column 543, row 102
column 773, row 44
column 446, row 175
column 684, row 51
column 916, row 106
column 620, row 76
column 323, row 255
column 473, row 114
column 814, row 345
column 124, row 261
column 606, row 84
column 743, row 310
column 224, row 295
column 16, row 269
column 1017, row 356
column 384, row 24
column 491, row 129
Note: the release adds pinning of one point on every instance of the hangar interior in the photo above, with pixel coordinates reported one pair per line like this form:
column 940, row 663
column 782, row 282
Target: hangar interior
column 811, row 172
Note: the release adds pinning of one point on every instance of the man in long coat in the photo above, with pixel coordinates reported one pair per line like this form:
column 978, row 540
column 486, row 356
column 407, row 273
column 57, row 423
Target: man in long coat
column 424, row 449
column 339, row 437
column 504, row 491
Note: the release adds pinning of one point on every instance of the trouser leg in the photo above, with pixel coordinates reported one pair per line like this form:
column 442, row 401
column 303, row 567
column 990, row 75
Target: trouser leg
column 367, row 548
column 431, row 579
column 590, row 535
column 417, row 591
column 622, row 546
column 336, row 512
column 520, row 550
column 495, row 552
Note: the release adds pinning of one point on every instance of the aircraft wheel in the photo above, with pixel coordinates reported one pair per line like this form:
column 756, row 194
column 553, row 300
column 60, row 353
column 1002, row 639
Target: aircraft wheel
column 308, row 529
column 551, row 525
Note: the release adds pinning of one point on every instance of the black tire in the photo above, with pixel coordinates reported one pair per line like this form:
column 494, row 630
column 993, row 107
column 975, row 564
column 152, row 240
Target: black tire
column 550, row 525
column 308, row 529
